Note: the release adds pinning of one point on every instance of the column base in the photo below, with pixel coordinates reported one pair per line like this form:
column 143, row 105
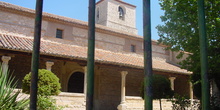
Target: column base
column 122, row 107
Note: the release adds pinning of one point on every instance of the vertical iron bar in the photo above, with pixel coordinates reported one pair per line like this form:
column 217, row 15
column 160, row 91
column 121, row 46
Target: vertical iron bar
column 35, row 55
column 203, row 56
column 91, row 54
column 148, row 94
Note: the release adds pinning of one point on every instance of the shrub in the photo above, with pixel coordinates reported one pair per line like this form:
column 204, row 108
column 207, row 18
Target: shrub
column 8, row 97
column 180, row 102
column 48, row 83
column 47, row 103
column 215, row 101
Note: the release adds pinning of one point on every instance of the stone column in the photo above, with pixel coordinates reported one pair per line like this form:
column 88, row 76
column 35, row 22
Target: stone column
column 49, row 65
column 122, row 105
column 191, row 94
column 172, row 82
column 191, row 90
column 85, row 80
column 5, row 60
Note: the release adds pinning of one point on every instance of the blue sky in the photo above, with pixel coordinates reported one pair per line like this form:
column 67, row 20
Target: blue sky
column 78, row 9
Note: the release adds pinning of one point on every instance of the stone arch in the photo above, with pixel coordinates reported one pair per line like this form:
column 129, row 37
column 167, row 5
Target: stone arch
column 121, row 11
column 76, row 82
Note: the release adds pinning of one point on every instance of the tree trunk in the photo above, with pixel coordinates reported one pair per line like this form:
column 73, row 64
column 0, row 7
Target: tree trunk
column 160, row 104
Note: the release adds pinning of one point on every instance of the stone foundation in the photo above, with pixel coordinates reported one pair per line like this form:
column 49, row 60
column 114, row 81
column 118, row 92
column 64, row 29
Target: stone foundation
column 137, row 103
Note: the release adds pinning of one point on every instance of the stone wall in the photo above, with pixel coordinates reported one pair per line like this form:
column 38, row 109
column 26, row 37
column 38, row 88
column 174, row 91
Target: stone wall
column 109, row 16
column 70, row 101
column 174, row 54
column 137, row 103
column 15, row 23
column 102, row 13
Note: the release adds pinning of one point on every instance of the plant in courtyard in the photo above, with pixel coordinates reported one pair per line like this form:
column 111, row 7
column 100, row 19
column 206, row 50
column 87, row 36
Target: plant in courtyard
column 48, row 85
column 180, row 102
column 47, row 103
column 8, row 96
column 161, row 88
column 215, row 102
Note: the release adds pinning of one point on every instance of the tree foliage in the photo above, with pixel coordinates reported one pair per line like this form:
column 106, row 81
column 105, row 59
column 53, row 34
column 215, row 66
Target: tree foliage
column 180, row 31
column 161, row 87
column 48, row 83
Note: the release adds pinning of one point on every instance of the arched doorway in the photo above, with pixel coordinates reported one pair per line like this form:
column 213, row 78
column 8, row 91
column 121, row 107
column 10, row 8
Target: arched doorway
column 76, row 82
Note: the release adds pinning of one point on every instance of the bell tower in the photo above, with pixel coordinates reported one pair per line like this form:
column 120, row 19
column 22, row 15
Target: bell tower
column 116, row 14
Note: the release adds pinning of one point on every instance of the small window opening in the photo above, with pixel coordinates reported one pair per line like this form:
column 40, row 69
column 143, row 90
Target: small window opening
column 121, row 13
column 97, row 13
column 133, row 48
column 59, row 33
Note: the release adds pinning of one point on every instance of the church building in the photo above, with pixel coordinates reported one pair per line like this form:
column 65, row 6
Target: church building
column 119, row 61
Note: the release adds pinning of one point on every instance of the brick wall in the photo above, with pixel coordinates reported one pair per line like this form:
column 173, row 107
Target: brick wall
column 110, row 88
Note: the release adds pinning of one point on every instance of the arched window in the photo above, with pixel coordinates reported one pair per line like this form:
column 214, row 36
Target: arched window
column 121, row 13
column 76, row 83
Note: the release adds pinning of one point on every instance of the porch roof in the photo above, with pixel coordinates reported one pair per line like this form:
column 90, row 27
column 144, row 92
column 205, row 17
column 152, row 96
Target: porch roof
column 65, row 49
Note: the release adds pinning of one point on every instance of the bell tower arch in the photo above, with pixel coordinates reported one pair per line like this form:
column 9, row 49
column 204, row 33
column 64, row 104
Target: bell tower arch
column 116, row 14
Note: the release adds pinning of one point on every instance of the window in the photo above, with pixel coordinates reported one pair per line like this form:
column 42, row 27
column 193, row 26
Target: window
column 59, row 34
column 76, row 83
column 133, row 48
column 97, row 15
column 121, row 13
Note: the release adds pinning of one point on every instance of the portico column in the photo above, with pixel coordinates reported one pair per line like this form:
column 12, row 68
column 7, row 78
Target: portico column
column 172, row 82
column 122, row 105
column 85, row 80
column 49, row 65
column 191, row 94
column 5, row 60
column 191, row 90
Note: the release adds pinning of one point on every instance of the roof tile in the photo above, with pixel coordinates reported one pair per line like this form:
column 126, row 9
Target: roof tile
column 23, row 43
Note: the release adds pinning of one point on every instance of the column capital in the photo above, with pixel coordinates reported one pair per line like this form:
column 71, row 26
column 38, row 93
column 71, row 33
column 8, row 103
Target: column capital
column 172, row 78
column 49, row 65
column 85, row 68
column 5, row 59
column 124, row 73
column 172, row 82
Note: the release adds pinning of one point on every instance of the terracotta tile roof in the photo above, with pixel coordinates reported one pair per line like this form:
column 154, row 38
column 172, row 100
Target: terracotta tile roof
column 66, row 50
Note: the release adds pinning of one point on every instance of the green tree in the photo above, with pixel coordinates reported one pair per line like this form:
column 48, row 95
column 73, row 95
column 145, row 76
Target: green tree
column 180, row 32
column 161, row 88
